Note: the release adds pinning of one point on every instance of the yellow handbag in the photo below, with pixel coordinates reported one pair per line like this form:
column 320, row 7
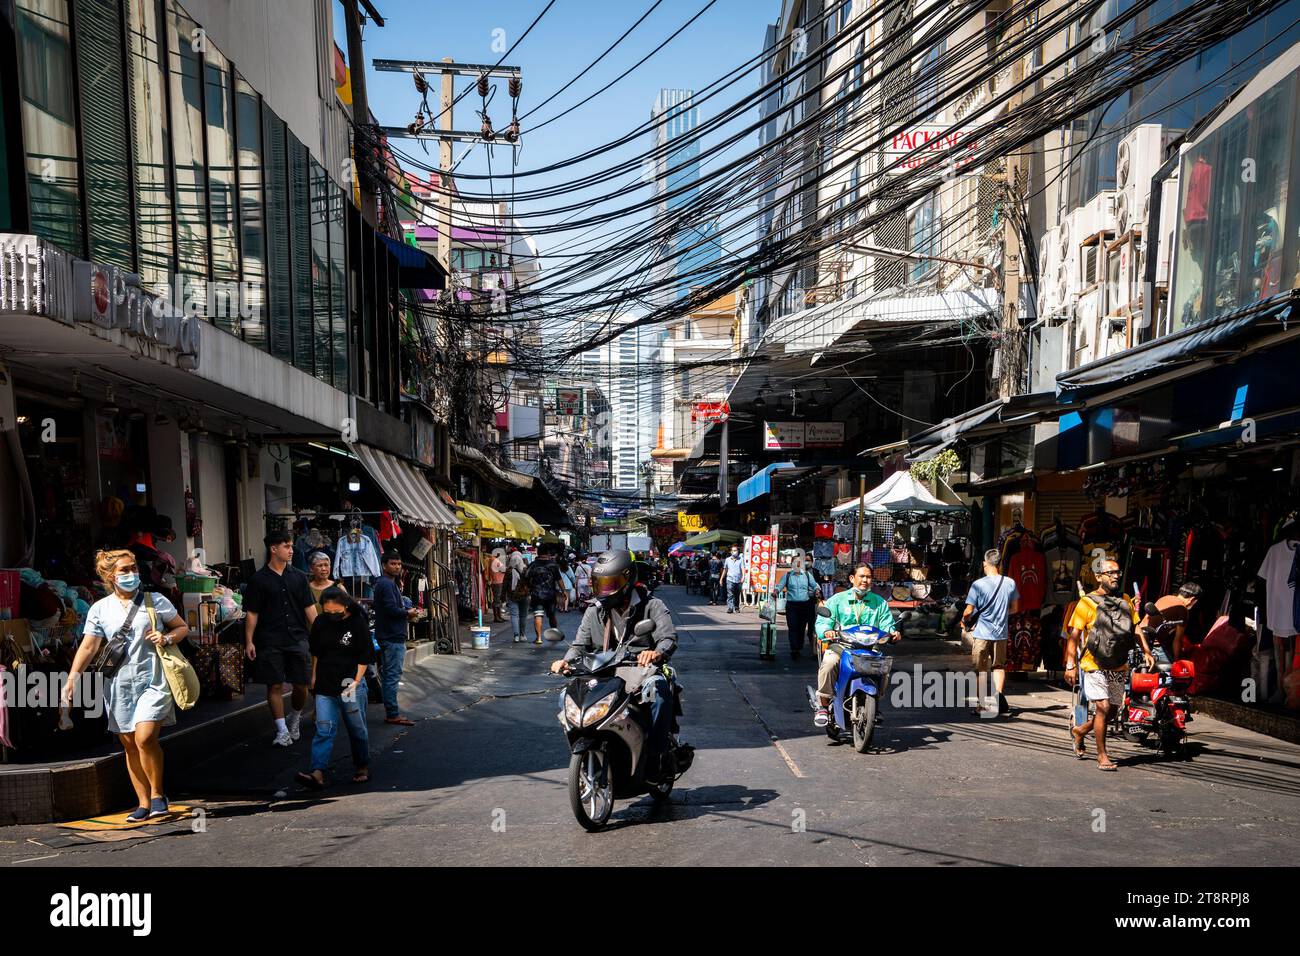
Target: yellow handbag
column 182, row 678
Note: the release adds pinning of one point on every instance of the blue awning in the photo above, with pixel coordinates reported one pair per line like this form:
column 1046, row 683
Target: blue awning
column 760, row 484
column 416, row 268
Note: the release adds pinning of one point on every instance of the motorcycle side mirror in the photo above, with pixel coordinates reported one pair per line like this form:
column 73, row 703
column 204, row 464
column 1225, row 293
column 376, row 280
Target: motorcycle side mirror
column 1151, row 609
column 823, row 611
column 644, row 628
column 553, row 634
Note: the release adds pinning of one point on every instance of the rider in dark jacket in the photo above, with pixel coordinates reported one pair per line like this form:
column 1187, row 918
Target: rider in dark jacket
column 610, row 622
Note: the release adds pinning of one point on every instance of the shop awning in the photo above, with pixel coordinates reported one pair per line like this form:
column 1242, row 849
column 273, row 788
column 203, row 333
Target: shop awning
column 993, row 418
column 713, row 537
column 480, row 519
column 406, row 487
column 1198, row 343
column 416, row 268
column 525, row 528
column 760, row 483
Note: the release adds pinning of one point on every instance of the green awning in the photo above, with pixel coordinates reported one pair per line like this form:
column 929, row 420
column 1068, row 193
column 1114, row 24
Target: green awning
column 713, row 537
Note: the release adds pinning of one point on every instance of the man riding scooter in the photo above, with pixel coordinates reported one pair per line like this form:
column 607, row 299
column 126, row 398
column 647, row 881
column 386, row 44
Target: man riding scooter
column 622, row 603
column 858, row 605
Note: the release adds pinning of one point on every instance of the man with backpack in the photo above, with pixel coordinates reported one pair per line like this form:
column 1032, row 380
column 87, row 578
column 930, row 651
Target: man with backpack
column 1102, row 632
column 543, row 580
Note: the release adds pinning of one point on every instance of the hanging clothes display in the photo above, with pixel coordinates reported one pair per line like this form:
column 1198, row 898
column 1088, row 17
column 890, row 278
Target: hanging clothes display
column 1102, row 535
column 1277, row 570
column 356, row 556
column 1024, row 641
column 1063, row 553
column 1028, row 568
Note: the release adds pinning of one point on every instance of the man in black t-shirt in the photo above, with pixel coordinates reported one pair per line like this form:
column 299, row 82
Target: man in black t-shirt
column 278, row 614
column 543, row 577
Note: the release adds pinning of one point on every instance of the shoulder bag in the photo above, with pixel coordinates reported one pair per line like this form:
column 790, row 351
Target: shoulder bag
column 969, row 625
column 182, row 678
column 113, row 648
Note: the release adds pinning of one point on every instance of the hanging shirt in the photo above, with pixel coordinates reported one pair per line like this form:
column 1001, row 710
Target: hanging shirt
column 1063, row 564
column 388, row 527
column 1279, row 604
column 356, row 558
column 1028, row 569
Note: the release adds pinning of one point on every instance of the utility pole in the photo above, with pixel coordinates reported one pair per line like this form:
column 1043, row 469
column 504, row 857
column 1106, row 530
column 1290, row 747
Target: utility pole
column 1012, row 345
column 364, row 144
column 446, row 132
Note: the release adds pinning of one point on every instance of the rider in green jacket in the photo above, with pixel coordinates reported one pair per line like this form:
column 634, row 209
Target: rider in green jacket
column 858, row 605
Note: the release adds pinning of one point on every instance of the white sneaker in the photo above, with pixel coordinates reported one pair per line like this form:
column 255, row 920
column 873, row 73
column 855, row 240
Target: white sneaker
column 294, row 723
column 282, row 739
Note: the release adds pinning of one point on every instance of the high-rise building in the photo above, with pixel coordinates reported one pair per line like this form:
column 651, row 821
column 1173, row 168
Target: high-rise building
column 689, row 247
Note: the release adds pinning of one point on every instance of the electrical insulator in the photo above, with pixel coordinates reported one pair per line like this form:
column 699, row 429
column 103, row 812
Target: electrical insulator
column 483, row 85
column 516, row 85
column 421, row 85
column 415, row 127
column 488, row 133
column 512, row 131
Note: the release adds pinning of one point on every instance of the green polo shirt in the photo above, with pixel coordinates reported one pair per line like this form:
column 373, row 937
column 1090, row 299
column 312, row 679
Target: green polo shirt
column 847, row 608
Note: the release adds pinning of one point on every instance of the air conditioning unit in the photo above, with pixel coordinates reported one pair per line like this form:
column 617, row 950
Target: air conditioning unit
column 1048, row 260
column 1168, row 230
column 1086, row 314
column 1067, row 261
column 1137, row 158
column 1097, row 216
column 1124, row 263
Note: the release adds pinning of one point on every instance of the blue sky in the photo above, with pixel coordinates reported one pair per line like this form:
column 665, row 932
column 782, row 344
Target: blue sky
column 571, row 34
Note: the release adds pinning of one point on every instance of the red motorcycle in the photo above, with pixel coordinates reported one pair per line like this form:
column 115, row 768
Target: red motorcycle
column 1156, row 700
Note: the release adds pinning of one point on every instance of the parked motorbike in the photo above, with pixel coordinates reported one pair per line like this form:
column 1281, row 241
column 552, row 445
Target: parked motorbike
column 1157, row 705
column 607, row 726
column 859, row 686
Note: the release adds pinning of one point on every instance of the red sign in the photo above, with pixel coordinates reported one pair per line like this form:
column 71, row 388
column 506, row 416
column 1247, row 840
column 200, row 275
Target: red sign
column 711, row 412
column 761, row 552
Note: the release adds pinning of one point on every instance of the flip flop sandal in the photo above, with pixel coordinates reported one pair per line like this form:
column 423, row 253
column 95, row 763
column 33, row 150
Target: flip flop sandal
column 1080, row 747
column 309, row 781
column 361, row 776
column 1108, row 767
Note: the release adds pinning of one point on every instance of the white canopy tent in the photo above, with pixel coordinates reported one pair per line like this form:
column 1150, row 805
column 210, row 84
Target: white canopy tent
column 899, row 492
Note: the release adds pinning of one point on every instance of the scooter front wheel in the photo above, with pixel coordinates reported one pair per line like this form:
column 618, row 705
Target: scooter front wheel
column 864, row 724
column 591, row 791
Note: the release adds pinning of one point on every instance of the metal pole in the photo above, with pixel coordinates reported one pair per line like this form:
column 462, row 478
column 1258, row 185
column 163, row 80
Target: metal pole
column 862, row 518
column 444, row 166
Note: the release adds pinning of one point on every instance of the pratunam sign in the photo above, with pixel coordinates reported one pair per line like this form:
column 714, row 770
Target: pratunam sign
column 920, row 143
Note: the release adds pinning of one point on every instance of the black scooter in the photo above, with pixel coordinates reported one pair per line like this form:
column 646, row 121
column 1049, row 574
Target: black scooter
column 607, row 726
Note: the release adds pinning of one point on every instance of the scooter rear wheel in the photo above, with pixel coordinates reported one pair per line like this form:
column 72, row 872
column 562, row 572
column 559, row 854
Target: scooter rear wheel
column 591, row 791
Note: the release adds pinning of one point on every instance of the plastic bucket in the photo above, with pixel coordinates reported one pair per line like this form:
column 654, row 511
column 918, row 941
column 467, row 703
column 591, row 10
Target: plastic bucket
column 482, row 637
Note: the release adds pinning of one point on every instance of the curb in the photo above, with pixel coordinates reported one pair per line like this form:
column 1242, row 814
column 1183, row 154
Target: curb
column 1268, row 722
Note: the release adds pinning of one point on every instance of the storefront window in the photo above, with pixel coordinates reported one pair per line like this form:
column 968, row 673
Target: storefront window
column 100, row 70
column 188, row 144
column 323, row 368
column 49, row 122
column 153, row 203
column 300, row 253
column 279, row 272
column 1234, row 190
column 220, row 119
column 252, row 232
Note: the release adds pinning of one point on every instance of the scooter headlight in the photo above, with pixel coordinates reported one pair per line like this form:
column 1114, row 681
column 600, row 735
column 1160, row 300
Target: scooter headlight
column 598, row 711
column 572, row 713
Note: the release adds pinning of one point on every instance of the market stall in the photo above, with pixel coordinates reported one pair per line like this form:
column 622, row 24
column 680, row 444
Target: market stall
column 919, row 546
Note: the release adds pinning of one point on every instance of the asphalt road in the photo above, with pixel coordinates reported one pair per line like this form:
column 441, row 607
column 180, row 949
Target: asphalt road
column 480, row 779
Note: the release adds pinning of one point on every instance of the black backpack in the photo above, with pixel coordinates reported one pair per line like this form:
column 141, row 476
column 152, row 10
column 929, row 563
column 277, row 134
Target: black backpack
column 541, row 579
column 1111, row 636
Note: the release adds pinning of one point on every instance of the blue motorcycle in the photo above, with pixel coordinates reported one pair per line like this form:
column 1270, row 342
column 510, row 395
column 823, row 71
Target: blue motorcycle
column 859, row 685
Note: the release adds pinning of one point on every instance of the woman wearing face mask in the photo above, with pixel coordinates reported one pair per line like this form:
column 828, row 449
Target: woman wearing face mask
column 136, row 698
column 341, row 650
column 801, row 593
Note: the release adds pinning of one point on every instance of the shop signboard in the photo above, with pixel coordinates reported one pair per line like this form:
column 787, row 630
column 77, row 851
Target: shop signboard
column 568, row 401
column 695, row 524
column 711, row 412
column 782, row 435
column 760, row 561
column 912, row 146
column 824, row 435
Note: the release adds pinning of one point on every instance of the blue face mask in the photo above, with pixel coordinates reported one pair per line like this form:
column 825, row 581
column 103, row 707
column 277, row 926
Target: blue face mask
column 861, row 592
column 128, row 582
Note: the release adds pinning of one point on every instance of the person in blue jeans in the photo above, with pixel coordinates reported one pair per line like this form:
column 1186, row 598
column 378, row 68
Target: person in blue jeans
column 341, row 651
column 733, row 573
column 391, row 618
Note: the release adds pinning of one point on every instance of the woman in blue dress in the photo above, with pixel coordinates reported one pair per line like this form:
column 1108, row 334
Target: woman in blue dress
column 136, row 698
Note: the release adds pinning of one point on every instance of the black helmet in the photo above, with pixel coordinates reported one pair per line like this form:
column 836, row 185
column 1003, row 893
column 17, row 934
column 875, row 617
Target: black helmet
column 613, row 576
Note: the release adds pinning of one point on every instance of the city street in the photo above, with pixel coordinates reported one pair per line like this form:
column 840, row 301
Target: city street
column 480, row 779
